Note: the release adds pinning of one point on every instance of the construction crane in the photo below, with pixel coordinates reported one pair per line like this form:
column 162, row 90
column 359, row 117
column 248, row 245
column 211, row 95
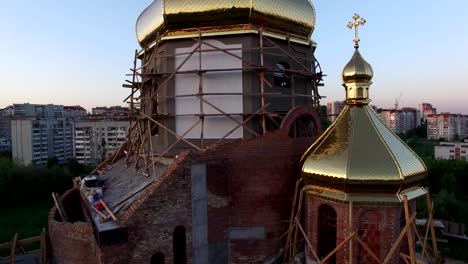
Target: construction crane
column 397, row 100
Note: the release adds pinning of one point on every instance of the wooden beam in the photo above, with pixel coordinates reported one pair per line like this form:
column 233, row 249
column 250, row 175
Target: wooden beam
column 178, row 68
column 367, row 249
column 13, row 248
column 419, row 236
column 289, row 55
column 350, row 237
column 407, row 259
column 307, row 240
column 350, row 213
column 291, row 220
column 43, row 247
column 298, row 216
column 262, row 78
column 177, row 140
column 430, row 209
column 59, row 206
column 400, row 237
column 409, row 233
column 170, row 131
column 108, row 210
column 103, row 217
column 243, row 123
column 25, row 241
column 227, row 115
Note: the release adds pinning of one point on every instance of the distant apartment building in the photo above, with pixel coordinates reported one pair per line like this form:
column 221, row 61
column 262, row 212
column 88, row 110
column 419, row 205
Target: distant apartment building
column 334, row 109
column 74, row 111
column 39, row 132
column 112, row 112
column 97, row 139
column 426, row 109
column 5, row 129
column 451, row 150
column 446, row 126
column 400, row 120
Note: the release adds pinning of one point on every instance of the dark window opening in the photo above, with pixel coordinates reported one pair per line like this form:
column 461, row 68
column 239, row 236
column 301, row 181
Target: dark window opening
column 360, row 92
column 178, row 245
column 303, row 126
column 282, row 78
column 157, row 258
column 326, row 232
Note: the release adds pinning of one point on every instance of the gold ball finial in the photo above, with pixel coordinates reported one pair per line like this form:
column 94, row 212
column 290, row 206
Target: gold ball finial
column 358, row 21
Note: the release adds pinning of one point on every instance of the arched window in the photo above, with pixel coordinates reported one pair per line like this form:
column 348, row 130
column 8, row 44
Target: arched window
column 178, row 245
column 326, row 232
column 157, row 258
column 281, row 76
column 360, row 92
column 303, row 126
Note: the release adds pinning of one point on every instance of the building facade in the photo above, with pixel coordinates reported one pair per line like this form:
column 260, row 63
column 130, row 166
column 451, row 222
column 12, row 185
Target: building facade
column 426, row 109
column 446, row 126
column 40, row 132
column 451, row 150
column 5, row 129
column 113, row 112
column 334, row 109
column 74, row 111
column 400, row 120
column 98, row 139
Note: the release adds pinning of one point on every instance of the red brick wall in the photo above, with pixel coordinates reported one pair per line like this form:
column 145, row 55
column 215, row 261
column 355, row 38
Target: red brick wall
column 72, row 243
column 378, row 225
column 257, row 177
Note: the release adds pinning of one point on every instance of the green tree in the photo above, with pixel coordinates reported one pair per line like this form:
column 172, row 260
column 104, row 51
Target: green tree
column 324, row 118
column 52, row 161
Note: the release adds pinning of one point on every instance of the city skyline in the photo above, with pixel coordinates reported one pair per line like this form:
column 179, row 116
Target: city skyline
column 77, row 53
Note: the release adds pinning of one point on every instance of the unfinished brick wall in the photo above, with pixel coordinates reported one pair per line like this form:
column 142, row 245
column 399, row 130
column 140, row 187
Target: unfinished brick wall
column 251, row 184
column 378, row 225
column 152, row 219
column 72, row 243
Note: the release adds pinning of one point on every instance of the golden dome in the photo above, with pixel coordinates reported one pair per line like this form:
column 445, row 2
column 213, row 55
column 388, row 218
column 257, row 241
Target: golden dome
column 291, row 16
column 357, row 69
column 358, row 158
column 359, row 150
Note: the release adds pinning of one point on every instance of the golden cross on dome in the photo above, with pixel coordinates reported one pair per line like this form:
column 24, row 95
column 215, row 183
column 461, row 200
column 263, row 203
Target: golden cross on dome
column 355, row 24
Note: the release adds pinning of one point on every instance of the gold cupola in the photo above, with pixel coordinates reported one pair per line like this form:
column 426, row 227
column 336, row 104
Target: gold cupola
column 358, row 157
column 290, row 17
column 357, row 74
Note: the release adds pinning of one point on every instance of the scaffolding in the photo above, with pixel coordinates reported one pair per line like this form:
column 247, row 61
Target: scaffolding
column 296, row 236
column 145, row 88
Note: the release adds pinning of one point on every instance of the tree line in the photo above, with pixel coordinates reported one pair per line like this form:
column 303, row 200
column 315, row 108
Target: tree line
column 21, row 185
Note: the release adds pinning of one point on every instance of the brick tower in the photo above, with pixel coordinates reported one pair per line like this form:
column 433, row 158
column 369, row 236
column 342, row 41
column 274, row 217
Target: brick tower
column 357, row 175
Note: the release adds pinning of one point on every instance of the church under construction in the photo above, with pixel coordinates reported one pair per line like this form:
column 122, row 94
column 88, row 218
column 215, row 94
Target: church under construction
column 226, row 160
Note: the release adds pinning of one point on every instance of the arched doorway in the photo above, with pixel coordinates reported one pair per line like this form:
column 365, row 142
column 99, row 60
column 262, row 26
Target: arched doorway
column 326, row 232
column 178, row 245
column 157, row 258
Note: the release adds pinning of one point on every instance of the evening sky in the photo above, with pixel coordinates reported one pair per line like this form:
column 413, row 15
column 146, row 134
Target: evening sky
column 78, row 52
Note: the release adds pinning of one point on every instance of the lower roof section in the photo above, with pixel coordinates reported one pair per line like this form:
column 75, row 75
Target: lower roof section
column 367, row 198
